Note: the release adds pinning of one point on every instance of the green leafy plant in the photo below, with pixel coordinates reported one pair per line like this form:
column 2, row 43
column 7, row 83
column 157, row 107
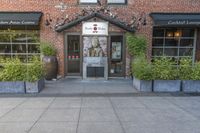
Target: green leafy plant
column 47, row 49
column 13, row 70
column 185, row 69
column 35, row 70
column 164, row 69
column 141, row 68
column 196, row 71
column 136, row 44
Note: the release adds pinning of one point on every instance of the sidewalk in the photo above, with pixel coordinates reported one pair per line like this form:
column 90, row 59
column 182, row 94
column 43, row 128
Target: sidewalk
column 100, row 115
column 78, row 86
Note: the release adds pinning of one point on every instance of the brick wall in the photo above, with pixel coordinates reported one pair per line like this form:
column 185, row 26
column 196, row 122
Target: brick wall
column 124, row 12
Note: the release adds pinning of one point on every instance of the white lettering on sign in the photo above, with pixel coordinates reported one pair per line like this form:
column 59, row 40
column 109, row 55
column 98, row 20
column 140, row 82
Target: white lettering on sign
column 16, row 22
column 183, row 22
column 95, row 28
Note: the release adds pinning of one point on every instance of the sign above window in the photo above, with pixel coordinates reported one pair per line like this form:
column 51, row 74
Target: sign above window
column 95, row 28
column 176, row 19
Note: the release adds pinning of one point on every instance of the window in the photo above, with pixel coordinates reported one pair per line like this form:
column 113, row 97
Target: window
column 19, row 43
column 108, row 1
column 173, row 42
column 88, row 1
column 117, row 1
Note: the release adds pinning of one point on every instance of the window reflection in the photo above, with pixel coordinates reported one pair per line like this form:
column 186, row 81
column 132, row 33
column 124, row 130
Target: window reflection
column 173, row 42
column 19, row 43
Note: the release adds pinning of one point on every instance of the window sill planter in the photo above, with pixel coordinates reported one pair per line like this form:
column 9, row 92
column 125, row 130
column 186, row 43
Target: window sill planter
column 142, row 85
column 191, row 85
column 12, row 87
column 166, row 85
column 35, row 87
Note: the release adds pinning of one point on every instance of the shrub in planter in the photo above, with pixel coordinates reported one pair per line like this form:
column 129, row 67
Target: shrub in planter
column 165, row 75
column 49, row 60
column 12, row 76
column 191, row 76
column 136, row 44
column 185, row 69
column 142, row 70
column 34, row 77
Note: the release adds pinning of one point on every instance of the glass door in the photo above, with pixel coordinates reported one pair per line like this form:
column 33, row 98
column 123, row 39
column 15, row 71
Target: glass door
column 116, row 65
column 73, row 55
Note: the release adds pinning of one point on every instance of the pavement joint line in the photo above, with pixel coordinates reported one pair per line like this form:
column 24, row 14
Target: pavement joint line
column 120, row 122
column 139, row 94
column 79, row 115
column 146, row 107
column 14, row 108
column 28, row 131
column 182, row 108
column 179, row 108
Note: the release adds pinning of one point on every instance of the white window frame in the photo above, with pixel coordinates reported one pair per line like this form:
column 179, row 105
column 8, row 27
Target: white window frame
column 117, row 3
column 88, row 1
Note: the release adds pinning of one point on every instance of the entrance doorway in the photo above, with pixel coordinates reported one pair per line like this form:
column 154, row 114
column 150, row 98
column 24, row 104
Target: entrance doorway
column 116, row 56
column 73, row 56
column 95, row 62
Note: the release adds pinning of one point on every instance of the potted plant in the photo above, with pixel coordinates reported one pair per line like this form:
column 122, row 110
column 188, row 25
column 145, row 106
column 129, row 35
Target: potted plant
column 190, row 75
column 165, row 76
column 12, row 76
column 35, row 76
column 142, row 70
column 50, row 61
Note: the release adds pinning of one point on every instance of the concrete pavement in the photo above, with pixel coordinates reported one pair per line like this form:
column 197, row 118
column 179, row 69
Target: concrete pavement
column 77, row 86
column 160, row 114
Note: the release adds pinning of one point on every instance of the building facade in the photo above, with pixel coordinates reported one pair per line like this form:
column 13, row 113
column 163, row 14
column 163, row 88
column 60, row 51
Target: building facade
column 89, row 35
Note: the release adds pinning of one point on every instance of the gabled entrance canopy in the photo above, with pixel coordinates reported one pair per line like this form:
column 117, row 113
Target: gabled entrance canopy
column 111, row 20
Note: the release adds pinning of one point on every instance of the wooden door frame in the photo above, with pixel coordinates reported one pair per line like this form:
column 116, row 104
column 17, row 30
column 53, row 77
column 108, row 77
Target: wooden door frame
column 65, row 50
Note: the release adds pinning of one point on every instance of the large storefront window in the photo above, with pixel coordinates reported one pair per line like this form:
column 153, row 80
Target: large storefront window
column 173, row 42
column 19, row 43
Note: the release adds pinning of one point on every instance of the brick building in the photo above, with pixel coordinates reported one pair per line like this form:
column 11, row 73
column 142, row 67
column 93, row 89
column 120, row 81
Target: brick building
column 90, row 36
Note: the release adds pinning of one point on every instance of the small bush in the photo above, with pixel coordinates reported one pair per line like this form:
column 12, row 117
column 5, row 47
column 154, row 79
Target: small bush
column 136, row 44
column 185, row 69
column 13, row 70
column 141, row 68
column 34, row 70
column 196, row 72
column 164, row 69
column 47, row 49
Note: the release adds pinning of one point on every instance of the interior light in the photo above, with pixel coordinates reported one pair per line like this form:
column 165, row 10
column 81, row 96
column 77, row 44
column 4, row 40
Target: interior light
column 170, row 34
column 177, row 34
